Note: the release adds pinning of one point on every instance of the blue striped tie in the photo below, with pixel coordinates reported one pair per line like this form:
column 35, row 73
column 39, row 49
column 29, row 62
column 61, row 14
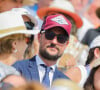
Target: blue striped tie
column 46, row 80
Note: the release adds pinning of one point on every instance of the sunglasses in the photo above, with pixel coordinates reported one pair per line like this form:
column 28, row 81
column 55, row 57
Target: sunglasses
column 29, row 25
column 61, row 38
column 29, row 40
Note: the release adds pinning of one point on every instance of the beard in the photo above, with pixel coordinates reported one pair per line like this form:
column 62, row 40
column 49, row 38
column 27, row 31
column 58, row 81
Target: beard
column 47, row 56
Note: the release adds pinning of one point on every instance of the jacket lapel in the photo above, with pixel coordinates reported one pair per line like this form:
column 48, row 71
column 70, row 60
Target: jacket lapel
column 56, row 74
column 33, row 69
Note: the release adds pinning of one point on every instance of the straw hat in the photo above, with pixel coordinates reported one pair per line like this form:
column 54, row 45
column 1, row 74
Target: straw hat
column 64, row 84
column 62, row 6
column 23, row 11
column 12, row 23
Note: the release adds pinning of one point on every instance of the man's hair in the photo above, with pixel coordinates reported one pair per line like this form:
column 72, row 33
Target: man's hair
column 91, row 55
column 6, row 43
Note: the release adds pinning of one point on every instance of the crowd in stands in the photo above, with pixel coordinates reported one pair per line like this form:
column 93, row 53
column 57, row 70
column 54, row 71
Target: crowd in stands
column 49, row 44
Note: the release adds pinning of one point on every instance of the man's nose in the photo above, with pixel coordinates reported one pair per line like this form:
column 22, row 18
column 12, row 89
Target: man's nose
column 54, row 41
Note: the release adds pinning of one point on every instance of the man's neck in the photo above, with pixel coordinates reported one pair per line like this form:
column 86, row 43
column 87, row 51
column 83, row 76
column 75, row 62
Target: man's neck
column 48, row 62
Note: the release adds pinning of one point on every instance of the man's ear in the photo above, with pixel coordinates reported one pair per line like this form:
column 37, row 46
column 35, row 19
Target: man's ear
column 97, row 52
column 39, row 35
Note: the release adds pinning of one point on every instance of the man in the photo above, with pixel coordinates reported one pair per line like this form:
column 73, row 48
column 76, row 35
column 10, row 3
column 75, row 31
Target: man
column 53, row 40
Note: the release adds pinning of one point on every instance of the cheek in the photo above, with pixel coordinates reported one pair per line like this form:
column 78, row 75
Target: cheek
column 62, row 48
column 97, row 80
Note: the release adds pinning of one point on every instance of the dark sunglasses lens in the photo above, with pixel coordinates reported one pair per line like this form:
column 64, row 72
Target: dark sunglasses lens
column 49, row 35
column 29, row 25
column 61, row 38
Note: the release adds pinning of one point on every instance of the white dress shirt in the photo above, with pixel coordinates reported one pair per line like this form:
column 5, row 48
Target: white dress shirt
column 41, row 70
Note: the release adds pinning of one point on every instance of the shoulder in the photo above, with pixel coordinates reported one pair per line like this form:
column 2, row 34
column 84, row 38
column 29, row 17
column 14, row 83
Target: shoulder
column 73, row 72
column 23, row 63
column 60, row 74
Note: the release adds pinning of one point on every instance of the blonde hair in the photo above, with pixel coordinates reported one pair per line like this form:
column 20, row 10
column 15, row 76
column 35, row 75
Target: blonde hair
column 6, row 42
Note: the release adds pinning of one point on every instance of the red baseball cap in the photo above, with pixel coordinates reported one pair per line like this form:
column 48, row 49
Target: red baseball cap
column 57, row 20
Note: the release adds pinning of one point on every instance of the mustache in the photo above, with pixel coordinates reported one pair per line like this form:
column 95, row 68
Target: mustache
column 53, row 45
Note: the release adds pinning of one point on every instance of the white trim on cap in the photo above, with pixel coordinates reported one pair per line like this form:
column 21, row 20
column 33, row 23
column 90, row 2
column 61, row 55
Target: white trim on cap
column 95, row 42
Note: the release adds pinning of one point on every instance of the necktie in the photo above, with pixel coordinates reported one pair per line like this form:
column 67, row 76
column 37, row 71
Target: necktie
column 46, row 80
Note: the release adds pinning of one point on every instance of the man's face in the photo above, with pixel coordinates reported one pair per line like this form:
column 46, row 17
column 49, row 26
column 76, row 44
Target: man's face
column 53, row 49
column 6, row 5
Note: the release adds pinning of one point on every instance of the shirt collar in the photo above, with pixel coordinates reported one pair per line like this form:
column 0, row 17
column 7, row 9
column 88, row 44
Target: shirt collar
column 39, row 61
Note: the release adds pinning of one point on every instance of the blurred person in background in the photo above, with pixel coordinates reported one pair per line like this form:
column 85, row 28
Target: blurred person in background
column 53, row 40
column 63, row 84
column 13, row 41
column 93, row 31
column 91, row 13
column 11, row 81
column 61, row 7
column 6, row 5
column 31, row 24
column 93, row 80
column 37, row 5
column 86, row 9
column 30, row 86
column 83, row 71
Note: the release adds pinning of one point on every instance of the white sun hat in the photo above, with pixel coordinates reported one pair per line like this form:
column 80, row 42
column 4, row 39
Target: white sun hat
column 23, row 11
column 61, row 6
column 95, row 42
column 12, row 23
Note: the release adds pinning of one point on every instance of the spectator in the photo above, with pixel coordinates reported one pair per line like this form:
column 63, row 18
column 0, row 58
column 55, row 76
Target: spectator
column 94, row 31
column 63, row 84
column 12, row 81
column 31, row 23
column 30, row 86
column 38, row 4
column 50, row 49
column 83, row 71
column 6, row 5
column 12, row 36
column 87, row 16
column 64, row 7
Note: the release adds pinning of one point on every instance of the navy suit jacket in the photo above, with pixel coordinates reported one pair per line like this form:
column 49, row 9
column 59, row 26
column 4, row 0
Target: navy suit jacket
column 29, row 69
